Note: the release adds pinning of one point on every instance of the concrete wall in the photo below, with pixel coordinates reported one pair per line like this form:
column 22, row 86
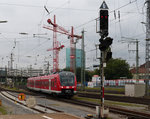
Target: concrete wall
column 135, row 90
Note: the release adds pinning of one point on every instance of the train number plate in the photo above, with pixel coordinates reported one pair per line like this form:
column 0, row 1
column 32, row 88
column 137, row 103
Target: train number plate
column 67, row 91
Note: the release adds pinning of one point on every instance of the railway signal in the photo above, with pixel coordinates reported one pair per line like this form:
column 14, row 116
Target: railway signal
column 108, row 56
column 105, row 43
column 106, row 53
column 104, row 18
column 105, row 46
column 104, row 22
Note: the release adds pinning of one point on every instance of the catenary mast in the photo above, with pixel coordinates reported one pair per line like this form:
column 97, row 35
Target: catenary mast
column 147, row 55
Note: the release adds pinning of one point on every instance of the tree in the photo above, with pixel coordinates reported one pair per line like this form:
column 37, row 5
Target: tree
column 117, row 68
column 92, row 73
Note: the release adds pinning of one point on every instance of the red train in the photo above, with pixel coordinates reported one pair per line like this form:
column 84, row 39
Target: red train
column 60, row 83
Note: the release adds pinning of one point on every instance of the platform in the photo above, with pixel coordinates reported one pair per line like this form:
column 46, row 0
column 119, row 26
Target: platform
column 41, row 116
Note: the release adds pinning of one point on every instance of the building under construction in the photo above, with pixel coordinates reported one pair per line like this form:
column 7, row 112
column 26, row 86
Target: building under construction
column 78, row 58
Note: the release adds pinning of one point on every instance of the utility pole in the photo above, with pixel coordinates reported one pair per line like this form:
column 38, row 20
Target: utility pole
column 8, row 67
column 48, row 68
column 82, row 62
column 75, row 56
column 6, row 71
column 147, row 55
column 30, row 70
column 137, row 59
column 137, row 53
column 11, row 63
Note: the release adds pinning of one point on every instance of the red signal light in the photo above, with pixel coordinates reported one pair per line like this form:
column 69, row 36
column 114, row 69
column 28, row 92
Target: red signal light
column 106, row 17
column 102, row 17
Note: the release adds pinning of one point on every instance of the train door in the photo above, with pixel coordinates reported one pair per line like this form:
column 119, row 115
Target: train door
column 54, row 84
column 50, row 84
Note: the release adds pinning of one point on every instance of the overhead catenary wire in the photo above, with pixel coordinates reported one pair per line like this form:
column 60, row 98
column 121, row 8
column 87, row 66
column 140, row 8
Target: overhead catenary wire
column 110, row 12
column 35, row 48
column 80, row 26
column 54, row 8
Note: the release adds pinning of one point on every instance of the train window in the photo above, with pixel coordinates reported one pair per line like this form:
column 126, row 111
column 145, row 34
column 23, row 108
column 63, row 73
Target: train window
column 55, row 82
column 45, row 83
column 67, row 79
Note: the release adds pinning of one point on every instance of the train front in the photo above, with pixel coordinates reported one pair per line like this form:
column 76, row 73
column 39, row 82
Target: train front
column 68, row 83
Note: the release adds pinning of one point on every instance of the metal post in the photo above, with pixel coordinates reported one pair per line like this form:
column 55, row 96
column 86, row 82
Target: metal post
column 30, row 70
column 75, row 57
column 11, row 63
column 137, row 60
column 5, row 75
column 82, row 63
column 102, row 62
column 48, row 72
column 147, row 55
column 137, row 54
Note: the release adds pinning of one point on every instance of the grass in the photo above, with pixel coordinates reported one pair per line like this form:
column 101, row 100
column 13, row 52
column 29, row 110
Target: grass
column 120, row 89
column 122, row 104
column 106, row 102
column 3, row 110
column 87, row 99
column 13, row 88
column 115, row 89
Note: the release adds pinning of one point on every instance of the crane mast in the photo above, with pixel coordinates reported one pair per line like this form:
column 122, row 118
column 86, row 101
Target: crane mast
column 55, row 45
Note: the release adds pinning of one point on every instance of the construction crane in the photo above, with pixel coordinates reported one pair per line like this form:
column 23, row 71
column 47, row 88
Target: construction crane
column 56, row 58
column 59, row 29
column 57, row 48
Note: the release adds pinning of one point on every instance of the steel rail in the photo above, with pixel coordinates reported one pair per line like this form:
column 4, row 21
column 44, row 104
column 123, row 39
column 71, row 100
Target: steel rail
column 130, row 113
column 40, row 105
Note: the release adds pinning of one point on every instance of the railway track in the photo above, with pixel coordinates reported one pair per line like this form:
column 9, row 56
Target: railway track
column 106, row 91
column 129, row 113
column 137, row 100
column 37, row 109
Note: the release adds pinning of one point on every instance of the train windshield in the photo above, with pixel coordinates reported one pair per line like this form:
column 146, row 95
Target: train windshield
column 67, row 79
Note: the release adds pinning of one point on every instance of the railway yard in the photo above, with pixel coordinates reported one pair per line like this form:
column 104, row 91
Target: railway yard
column 69, row 59
column 82, row 104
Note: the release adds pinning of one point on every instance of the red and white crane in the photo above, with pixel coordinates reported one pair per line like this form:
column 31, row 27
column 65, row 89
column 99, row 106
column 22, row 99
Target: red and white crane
column 59, row 29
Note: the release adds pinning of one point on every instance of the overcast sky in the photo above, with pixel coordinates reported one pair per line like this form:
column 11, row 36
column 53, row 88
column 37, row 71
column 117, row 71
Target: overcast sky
column 29, row 16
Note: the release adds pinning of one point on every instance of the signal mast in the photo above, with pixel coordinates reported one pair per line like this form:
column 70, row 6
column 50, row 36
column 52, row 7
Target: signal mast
column 59, row 29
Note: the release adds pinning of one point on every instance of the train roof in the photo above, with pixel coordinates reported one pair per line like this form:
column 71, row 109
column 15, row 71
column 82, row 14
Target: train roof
column 53, row 74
